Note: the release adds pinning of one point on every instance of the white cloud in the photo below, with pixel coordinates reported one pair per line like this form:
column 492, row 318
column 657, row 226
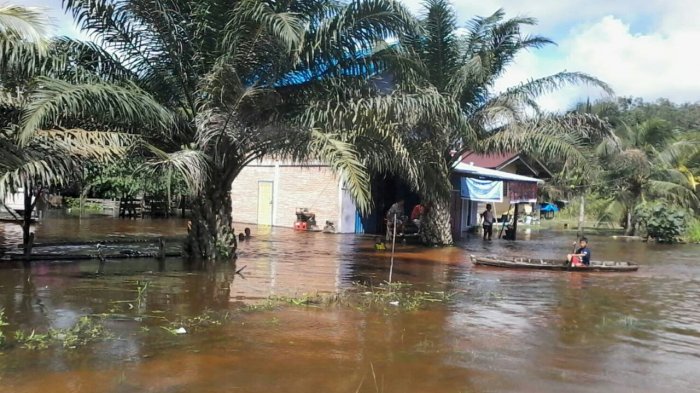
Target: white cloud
column 651, row 66
column 640, row 48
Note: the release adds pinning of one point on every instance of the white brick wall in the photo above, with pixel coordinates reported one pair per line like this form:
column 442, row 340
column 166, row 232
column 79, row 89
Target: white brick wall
column 311, row 186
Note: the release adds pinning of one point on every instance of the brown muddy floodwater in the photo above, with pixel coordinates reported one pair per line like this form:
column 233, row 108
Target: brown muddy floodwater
column 504, row 331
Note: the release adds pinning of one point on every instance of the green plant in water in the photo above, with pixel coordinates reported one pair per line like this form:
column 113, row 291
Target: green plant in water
column 400, row 296
column 141, row 292
column 3, row 323
column 85, row 331
column 207, row 319
column 663, row 223
column 32, row 340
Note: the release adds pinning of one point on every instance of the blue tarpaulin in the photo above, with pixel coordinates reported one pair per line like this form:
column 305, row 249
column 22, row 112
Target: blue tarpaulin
column 549, row 208
column 482, row 190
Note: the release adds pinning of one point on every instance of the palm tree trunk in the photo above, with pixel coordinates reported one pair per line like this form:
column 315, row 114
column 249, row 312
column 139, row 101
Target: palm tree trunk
column 631, row 229
column 581, row 215
column 436, row 229
column 212, row 236
column 27, row 216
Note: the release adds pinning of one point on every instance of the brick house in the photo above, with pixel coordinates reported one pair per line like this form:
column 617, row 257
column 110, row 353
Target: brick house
column 268, row 192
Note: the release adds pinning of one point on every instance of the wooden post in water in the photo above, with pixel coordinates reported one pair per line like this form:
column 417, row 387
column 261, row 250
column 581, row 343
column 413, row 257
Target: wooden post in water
column 28, row 250
column 161, row 249
column 515, row 222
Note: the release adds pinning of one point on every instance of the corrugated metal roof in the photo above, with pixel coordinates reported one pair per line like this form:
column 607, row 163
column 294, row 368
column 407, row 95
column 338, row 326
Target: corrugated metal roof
column 487, row 173
column 492, row 161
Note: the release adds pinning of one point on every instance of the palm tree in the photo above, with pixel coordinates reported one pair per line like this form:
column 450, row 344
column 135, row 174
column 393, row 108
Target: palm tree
column 444, row 85
column 27, row 23
column 50, row 156
column 647, row 164
column 215, row 84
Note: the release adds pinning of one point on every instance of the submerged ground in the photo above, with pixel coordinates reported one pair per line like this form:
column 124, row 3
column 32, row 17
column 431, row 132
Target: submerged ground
column 501, row 331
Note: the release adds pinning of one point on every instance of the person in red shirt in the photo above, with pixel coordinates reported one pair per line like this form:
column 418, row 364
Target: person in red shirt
column 417, row 213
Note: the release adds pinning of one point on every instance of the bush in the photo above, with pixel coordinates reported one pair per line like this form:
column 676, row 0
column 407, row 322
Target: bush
column 662, row 222
column 74, row 203
column 694, row 231
column 3, row 322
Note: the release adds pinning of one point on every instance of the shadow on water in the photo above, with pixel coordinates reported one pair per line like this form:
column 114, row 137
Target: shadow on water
column 516, row 331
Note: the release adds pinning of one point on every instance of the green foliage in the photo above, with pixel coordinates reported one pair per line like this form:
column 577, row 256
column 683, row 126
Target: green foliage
column 693, row 234
column 205, row 320
column 654, row 156
column 453, row 72
column 33, row 340
column 128, row 178
column 662, row 222
column 85, row 331
column 75, row 203
column 3, row 323
column 400, row 296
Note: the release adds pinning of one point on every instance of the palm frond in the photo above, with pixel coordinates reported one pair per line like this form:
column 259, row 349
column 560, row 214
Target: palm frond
column 287, row 27
column 343, row 158
column 93, row 145
column 548, row 84
column 25, row 23
column 673, row 192
column 554, row 137
column 191, row 164
column 58, row 99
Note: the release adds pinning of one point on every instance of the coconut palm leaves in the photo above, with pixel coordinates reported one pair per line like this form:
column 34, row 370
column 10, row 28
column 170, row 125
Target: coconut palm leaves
column 647, row 165
column 111, row 103
column 462, row 68
column 38, row 151
column 211, row 85
column 21, row 22
column 22, row 38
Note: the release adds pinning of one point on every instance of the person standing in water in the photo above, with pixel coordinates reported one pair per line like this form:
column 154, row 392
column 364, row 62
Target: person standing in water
column 396, row 212
column 488, row 220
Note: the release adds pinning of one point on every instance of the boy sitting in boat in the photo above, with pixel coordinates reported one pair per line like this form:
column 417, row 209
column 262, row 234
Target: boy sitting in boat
column 582, row 256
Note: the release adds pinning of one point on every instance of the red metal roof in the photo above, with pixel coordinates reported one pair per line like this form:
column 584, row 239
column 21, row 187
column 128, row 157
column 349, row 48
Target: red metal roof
column 492, row 161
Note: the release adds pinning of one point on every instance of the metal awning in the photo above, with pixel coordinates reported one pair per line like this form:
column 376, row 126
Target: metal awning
column 485, row 173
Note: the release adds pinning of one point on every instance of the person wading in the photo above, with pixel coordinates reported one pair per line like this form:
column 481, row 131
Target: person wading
column 488, row 220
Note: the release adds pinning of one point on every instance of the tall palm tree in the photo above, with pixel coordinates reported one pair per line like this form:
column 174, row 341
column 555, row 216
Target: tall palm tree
column 50, row 155
column 647, row 164
column 215, row 84
column 454, row 74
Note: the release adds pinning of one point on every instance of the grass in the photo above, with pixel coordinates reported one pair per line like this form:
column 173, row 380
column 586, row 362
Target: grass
column 85, row 331
column 693, row 235
column 383, row 297
column 388, row 298
column 207, row 319
column 3, row 323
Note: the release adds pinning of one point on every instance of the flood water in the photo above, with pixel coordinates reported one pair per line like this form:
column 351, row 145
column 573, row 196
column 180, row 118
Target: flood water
column 504, row 331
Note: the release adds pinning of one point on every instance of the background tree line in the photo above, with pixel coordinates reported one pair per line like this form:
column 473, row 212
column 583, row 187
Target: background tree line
column 647, row 176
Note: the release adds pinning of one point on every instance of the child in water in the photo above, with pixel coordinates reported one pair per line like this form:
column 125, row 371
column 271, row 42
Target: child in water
column 379, row 245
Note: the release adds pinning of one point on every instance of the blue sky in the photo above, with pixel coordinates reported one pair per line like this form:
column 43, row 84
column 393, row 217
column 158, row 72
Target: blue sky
column 644, row 48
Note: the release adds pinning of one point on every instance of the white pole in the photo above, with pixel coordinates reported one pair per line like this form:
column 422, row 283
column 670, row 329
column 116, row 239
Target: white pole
column 393, row 245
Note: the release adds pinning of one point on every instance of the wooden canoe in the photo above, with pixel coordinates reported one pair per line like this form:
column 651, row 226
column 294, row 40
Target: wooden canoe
column 553, row 264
